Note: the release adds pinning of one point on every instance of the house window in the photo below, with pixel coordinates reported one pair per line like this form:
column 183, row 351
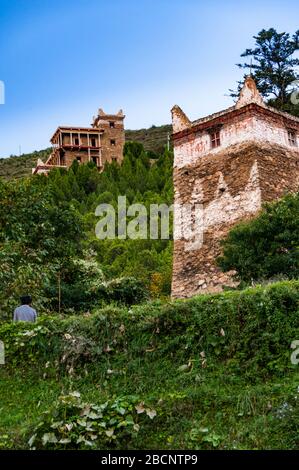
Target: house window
column 292, row 138
column 76, row 141
column 215, row 139
column 95, row 160
column 112, row 124
column 93, row 142
column 112, row 142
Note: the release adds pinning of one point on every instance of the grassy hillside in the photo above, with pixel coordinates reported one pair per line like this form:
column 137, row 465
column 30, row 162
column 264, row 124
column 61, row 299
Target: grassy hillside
column 212, row 372
column 18, row 167
column 153, row 139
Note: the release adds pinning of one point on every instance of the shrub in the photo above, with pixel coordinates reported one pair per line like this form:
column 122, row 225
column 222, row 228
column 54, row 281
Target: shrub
column 252, row 329
column 266, row 246
column 127, row 290
column 75, row 424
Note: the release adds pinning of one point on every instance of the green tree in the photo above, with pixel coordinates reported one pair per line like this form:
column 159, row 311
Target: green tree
column 38, row 238
column 273, row 65
column 47, row 222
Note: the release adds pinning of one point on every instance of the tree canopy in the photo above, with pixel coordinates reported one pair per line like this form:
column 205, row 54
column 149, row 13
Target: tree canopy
column 274, row 66
column 48, row 245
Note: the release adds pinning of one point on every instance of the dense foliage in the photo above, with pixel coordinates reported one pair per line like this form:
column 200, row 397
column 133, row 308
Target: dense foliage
column 141, row 181
column 77, row 424
column 252, row 327
column 48, row 243
column 37, row 240
column 274, row 67
column 267, row 246
column 211, row 372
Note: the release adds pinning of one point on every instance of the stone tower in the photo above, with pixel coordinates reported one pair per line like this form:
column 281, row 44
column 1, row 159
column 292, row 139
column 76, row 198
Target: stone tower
column 102, row 142
column 112, row 134
column 227, row 164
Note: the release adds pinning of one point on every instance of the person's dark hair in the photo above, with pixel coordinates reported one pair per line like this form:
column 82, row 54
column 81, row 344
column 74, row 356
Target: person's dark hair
column 26, row 299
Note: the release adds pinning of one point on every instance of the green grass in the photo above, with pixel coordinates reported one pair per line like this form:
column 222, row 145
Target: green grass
column 241, row 395
column 23, row 399
column 235, row 413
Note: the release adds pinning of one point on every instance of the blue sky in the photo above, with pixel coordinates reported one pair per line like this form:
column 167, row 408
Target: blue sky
column 62, row 60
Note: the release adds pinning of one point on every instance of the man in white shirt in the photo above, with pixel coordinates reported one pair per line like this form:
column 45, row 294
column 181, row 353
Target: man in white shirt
column 25, row 312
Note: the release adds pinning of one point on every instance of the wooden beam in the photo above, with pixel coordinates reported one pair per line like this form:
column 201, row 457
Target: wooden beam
column 88, row 147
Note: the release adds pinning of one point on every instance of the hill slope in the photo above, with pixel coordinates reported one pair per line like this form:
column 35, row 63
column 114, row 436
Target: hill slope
column 153, row 139
column 20, row 166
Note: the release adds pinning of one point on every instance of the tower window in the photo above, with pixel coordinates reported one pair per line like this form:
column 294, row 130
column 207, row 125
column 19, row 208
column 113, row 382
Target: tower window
column 292, row 138
column 112, row 124
column 112, row 142
column 215, row 139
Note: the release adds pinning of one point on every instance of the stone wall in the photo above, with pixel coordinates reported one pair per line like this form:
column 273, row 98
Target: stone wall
column 231, row 184
column 71, row 155
column 249, row 123
column 112, row 141
column 113, row 136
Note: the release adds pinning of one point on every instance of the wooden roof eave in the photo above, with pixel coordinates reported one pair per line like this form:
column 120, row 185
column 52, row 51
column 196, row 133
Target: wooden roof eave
column 89, row 130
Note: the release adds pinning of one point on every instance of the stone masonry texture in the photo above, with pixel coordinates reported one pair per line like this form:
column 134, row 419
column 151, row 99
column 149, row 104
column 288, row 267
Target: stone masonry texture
column 254, row 163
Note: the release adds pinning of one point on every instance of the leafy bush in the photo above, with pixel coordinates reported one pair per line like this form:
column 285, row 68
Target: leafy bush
column 74, row 424
column 266, row 246
column 126, row 290
column 216, row 367
column 251, row 329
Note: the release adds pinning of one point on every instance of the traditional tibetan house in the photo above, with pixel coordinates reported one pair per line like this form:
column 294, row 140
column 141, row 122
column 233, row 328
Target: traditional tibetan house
column 228, row 164
column 100, row 143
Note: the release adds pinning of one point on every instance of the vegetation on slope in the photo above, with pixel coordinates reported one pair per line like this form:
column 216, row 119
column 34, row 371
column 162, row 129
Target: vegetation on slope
column 21, row 166
column 49, row 247
column 210, row 372
column 48, row 242
column 153, row 139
